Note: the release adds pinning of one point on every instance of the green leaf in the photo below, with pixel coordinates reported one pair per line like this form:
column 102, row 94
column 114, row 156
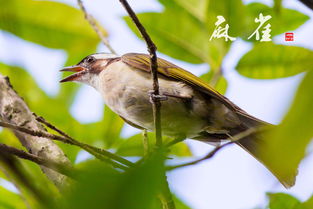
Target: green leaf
column 111, row 126
column 309, row 203
column 197, row 8
column 10, row 200
column 286, row 20
column 283, row 201
column 133, row 146
column 269, row 61
column 48, row 23
column 188, row 38
column 288, row 142
column 173, row 38
column 180, row 204
column 102, row 187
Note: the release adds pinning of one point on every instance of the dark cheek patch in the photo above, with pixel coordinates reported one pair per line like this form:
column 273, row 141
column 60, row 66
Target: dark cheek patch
column 99, row 65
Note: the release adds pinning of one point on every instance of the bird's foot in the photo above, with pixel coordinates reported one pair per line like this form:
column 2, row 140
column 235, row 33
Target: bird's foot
column 153, row 97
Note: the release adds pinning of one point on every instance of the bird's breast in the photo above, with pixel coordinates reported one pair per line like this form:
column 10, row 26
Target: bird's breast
column 126, row 92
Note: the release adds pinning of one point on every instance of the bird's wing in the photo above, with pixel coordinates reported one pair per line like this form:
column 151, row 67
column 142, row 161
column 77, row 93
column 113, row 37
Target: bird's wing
column 142, row 62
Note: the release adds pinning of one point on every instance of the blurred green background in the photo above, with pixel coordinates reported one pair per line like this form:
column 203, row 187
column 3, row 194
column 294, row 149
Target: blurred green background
column 37, row 38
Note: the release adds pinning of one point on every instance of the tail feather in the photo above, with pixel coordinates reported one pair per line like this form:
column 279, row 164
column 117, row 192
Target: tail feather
column 255, row 144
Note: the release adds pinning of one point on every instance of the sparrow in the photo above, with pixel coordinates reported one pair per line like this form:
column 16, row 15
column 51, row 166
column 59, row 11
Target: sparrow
column 191, row 107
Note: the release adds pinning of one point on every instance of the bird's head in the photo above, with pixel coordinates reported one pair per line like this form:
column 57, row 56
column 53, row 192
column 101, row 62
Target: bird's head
column 87, row 70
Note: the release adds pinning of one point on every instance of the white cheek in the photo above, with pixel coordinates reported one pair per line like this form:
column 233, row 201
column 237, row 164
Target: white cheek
column 91, row 80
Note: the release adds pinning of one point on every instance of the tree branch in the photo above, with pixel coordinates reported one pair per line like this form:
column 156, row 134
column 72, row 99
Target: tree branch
column 14, row 110
column 156, row 104
column 216, row 149
column 61, row 168
column 84, row 146
column 97, row 152
column 95, row 26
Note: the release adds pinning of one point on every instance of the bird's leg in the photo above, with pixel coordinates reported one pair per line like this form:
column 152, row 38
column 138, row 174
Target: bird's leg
column 164, row 96
column 152, row 96
column 177, row 96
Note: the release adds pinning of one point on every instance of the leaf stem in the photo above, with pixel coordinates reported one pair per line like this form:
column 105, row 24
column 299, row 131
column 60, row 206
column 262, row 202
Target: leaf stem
column 91, row 20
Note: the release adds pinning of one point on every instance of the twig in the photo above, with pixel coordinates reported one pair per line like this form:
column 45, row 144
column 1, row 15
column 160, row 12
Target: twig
column 43, row 121
column 156, row 104
column 216, row 76
column 216, row 149
column 167, row 202
column 145, row 142
column 63, row 169
column 76, row 142
column 208, row 156
column 97, row 152
column 95, row 26
column 308, row 3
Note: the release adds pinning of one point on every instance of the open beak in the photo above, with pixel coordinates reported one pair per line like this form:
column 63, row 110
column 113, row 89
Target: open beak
column 79, row 71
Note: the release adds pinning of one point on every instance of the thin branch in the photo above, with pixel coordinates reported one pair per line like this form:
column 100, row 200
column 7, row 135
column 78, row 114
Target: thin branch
column 167, row 201
column 145, row 142
column 58, row 167
column 43, row 121
column 91, row 20
column 216, row 149
column 308, row 3
column 155, row 97
column 97, row 152
column 216, row 76
column 14, row 110
column 83, row 145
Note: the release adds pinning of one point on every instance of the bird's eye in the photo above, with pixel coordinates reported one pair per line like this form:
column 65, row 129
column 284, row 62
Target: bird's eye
column 90, row 59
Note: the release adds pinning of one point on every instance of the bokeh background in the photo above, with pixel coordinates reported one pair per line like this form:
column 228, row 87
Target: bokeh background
column 232, row 179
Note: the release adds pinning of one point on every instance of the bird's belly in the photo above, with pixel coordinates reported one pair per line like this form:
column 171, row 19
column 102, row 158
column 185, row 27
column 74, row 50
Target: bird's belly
column 128, row 96
column 176, row 119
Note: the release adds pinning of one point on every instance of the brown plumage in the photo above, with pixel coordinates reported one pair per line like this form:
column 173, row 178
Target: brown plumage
column 193, row 109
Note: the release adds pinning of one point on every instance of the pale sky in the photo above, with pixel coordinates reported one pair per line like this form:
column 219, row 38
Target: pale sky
column 232, row 179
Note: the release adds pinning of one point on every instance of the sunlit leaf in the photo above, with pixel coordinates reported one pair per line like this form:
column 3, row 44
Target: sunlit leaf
column 111, row 127
column 283, row 201
column 269, row 61
column 197, row 8
column 287, row 144
column 308, row 204
column 173, row 38
column 188, row 38
column 48, row 23
column 286, row 20
column 179, row 203
column 10, row 200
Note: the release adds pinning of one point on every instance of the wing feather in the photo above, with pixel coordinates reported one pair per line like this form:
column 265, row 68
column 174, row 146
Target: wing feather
column 142, row 62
